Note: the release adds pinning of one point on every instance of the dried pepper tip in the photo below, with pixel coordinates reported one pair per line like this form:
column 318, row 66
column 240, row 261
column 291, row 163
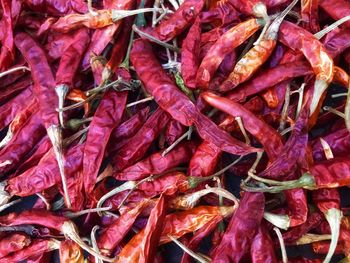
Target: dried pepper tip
column 61, row 91
column 155, row 40
column 126, row 186
column 319, row 88
column 70, row 231
column 189, row 251
column 327, row 149
column 333, row 217
column 347, row 110
column 311, row 238
column 306, row 181
column 283, row 247
column 280, row 221
column 55, row 134
column 4, row 73
column 120, row 14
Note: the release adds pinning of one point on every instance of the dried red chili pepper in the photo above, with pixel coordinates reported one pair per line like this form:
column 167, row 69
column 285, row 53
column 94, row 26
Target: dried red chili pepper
column 7, row 49
column 142, row 247
column 13, row 243
column 243, row 226
column 223, row 12
column 157, row 163
column 256, row 56
column 222, row 47
column 177, row 104
column 136, row 146
column 272, row 142
column 70, row 252
column 106, row 118
column 262, row 249
column 321, row 63
column 336, row 9
column 173, row 131
column 338, row 43
column 54, row 7
column 309, row 15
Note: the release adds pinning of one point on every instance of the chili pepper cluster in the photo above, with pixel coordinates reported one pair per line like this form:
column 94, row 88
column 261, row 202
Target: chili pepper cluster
column 220, row 126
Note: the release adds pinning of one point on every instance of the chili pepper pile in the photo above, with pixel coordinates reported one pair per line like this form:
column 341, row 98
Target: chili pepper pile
column 220, row 126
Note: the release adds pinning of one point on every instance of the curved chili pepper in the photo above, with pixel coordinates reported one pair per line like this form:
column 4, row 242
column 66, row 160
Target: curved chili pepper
column 338, row 43
column 222, row 47
column 177, row 104
column 336, row 9
column 341, row 77
column 113, row 234
column 13, row 243
column 243, row 226
column 7, row 49
column 106, row 118
column 70, row 252
column 157, row 164
column 36, row 247
column 136, row 147
column 262, row 249
column 177, row 22
column 142, row 247
column 190, row 54
column 256, row 56
column 298, row 38
column 297, row 206
column 268, row 137
column 309, row 15
column 269, row 78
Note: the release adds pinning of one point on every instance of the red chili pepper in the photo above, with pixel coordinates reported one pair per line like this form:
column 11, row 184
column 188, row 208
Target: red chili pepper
column 173, row 131
column 223, row 12
column 336, row 9
column 262, row 249
column 267, row 136
column 54, row 7
column 70, row 252
column 157, row 164
column 243, row 226
column 321, row 63
column 136, row 147
column 341, row 77
column 12, row 243
column 106, row 118
column 309, row 15
column 222, row 47
column 338, row 43
column 143, row 247
column 177, row 104
column 7, row 54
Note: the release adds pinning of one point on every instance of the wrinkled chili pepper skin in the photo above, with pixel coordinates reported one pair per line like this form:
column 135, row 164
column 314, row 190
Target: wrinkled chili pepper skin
column 70, row 252
column 223, row 12
column 21, row 143
column 190, row 54
column 157, row 164
column 113, row 234
column 326, row 199
column 179, row 21
column 7, row 49
column 55, row 7
column 45, row 174
column 176, row 103
column 44, row 84
column 339, row 141
column 338, row 43
column 106, row 118
column 269, row 78
column 137, row 145
column 249, row 64
column 297, row 206
column 173, row 131
column 270, row 139
column 262, row 249
column 241, row 230
column 142, row 247
column 13, row 243
column 336, row 9
column 222, row 47
column 309, row 15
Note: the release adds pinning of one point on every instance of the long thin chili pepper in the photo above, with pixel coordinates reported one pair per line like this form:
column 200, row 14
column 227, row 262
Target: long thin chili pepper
column 13, row 243
column 309, row 15
column 106, row 118
column 262, row 247
column 44, row 90
column 7, row 49
column 158, row 83
column 336, row 9
column 255, row 57
column 244, row 225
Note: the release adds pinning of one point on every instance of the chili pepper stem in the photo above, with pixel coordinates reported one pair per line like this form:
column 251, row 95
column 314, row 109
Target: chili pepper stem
column 344, row 94
column 46, row 202
column 281, row 221
column 334, row 111
column 155, row 40
column 327, row 149
column 283, row 248
column 311, row 238
column 139, row 101
column 86, row 211
column 333, row 217
column 55, row 134
column 347, row 110
column 69, row 230
column 331, row 27
column 4, row 195
column 61, row 91
column 4, row 73
column 94, row 242
column 284, row 113
column 78, row 104
column 189, row 251
column 241, row 127
column 6, row 139
column 120, row 14
column 53, row 244
column 126, row 186
column 5, row 206
column 319, row 88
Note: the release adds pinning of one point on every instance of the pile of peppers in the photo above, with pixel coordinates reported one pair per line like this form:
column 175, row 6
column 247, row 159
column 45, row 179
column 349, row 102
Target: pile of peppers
column 174, row 131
